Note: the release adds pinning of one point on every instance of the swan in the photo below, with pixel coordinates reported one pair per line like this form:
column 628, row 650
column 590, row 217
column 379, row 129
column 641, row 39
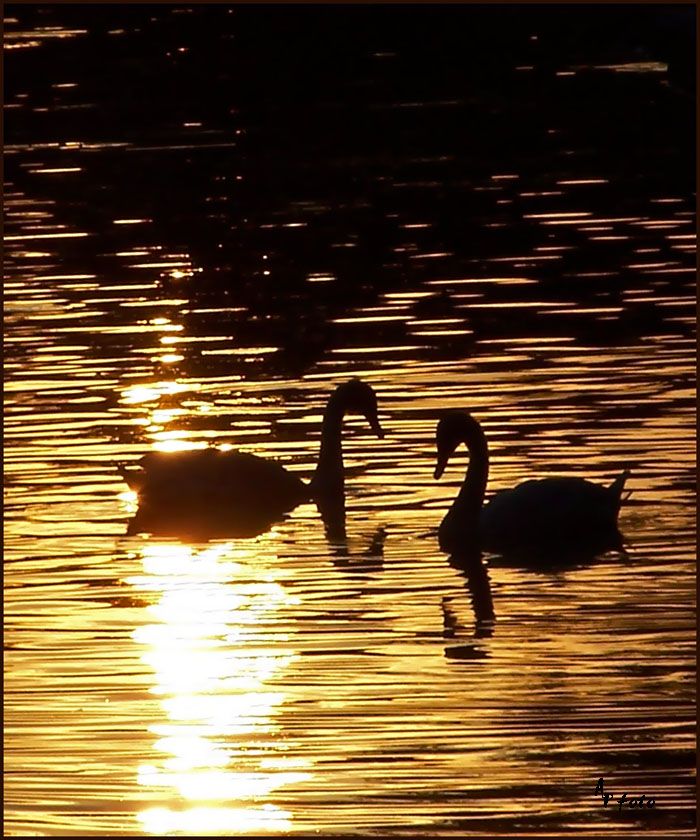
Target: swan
column 211, row 491
column 536, row 513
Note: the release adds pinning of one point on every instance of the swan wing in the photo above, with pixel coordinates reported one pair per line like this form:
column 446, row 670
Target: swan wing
column 207, row 476
column 550, row 508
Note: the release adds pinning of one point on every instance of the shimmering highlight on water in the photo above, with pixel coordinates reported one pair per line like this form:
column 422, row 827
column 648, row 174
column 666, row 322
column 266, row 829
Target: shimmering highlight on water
column 303, row 681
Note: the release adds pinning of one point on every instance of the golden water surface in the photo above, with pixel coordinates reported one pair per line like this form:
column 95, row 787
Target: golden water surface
column 290, row 683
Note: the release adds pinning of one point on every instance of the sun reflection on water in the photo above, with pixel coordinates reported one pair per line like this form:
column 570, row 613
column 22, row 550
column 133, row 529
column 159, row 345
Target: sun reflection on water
column 198, row 821
column 217, row 658
column 145, row 393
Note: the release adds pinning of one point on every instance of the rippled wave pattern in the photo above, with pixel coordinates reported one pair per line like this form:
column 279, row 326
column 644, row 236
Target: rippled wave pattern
column 215, row 215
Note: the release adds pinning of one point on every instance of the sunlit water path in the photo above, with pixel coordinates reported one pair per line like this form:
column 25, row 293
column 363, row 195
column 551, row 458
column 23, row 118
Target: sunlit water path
column 295, row 683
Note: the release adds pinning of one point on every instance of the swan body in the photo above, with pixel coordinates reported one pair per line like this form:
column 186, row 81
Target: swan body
column 207, row 491
column 536, row 513
column 193, row 479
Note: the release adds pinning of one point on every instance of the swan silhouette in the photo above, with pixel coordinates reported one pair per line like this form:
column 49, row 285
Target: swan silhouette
column 210, row 493
column 537, row 514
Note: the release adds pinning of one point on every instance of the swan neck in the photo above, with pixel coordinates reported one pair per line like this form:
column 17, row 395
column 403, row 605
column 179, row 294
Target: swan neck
column 471, row 495
column 328, row 477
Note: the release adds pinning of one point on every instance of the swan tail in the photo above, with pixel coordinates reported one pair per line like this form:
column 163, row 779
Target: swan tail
column 618, row 486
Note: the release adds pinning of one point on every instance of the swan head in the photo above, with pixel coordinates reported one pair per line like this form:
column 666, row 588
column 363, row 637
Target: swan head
column 358, row 397
column 455, row 428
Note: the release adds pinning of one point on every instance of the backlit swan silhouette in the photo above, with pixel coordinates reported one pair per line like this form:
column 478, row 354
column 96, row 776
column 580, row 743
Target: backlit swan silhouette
column 209, row 493
column 535, row 514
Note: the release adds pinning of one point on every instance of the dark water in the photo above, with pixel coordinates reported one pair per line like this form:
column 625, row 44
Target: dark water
column 214, row 215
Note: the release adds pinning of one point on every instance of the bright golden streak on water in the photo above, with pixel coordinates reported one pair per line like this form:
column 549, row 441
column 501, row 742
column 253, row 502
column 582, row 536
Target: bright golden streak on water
column 189, row 751
column 320, row 278
column 144, row 393
column 214, row 785
column 173, row 434
column 241, row 351
column 196, row 821
column 163, row 264
column 45, row 236
column 212, row 685
column 165, row 415
column 175, row 445
column 56, row 170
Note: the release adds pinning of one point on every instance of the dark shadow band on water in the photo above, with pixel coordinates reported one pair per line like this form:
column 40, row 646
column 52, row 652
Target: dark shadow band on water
column 560, row 554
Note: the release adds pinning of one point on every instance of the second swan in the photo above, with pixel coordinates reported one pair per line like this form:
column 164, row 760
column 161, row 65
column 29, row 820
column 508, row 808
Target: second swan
column 536, row 513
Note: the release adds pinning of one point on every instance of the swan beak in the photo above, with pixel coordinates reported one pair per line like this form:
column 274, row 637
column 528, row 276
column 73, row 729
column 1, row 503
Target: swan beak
column 440, row 467
column 376, row 428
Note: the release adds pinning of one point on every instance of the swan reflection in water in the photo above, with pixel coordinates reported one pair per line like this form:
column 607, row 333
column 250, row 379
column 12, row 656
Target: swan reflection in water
column 370, row 560
column 211, row 494
column 552, row 559
column 470, row 564
column 539, row 522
